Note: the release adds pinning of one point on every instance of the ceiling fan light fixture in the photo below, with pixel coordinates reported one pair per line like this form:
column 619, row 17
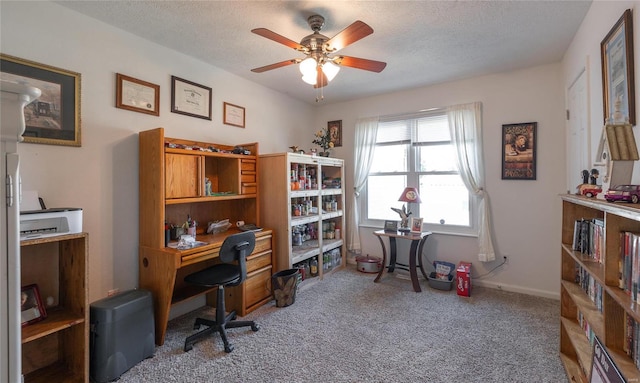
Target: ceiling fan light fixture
column 310, row 79
column 330, row 69
column 308, row 67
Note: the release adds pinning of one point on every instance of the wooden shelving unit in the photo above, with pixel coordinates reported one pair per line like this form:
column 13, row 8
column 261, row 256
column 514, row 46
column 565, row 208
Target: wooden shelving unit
column 173, row 174
column 57, row 348
column 288, row 180
column 609, row 323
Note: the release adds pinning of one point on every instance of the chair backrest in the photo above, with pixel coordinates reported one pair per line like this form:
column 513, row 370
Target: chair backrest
column 237, row 247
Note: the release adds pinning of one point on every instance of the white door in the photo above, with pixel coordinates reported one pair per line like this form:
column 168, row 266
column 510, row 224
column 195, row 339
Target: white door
column 578, row 155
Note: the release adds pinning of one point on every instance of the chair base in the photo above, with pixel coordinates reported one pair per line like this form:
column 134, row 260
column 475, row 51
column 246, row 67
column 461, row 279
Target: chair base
column 213, row 327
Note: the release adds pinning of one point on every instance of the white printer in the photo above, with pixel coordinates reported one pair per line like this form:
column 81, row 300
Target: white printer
column 50, row 222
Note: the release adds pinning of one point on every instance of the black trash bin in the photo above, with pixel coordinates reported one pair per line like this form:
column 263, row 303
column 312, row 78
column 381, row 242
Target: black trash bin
column 284, row 284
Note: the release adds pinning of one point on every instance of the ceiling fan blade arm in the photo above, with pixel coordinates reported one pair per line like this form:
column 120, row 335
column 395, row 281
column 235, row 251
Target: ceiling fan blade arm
column 358, row 63
column 354, row 32
column 264, row 32
column 274, row 66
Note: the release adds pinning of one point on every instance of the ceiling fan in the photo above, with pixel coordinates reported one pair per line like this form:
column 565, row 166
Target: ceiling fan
column 319, row 66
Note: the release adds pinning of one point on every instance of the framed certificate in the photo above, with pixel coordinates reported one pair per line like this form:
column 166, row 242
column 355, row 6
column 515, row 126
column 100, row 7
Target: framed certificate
column 137, row 95
column 233, row 115
column 190, row 99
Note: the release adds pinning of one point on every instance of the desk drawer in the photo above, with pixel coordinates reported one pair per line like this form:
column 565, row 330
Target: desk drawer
column 248, row 165
column 257, row 287
column 258, row 260
column 262, row 244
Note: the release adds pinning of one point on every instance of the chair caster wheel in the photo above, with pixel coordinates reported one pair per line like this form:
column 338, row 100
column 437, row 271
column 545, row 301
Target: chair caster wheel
column 228, row 348
column 196, row 327
column 255, row 327
column 188, row 347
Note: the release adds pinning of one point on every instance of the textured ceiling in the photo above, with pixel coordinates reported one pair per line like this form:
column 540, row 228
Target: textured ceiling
column 422, row 42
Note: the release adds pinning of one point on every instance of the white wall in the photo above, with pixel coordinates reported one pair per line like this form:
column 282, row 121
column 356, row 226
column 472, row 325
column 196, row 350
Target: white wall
column 101, row 177
column 526, row 214
column 584, row 54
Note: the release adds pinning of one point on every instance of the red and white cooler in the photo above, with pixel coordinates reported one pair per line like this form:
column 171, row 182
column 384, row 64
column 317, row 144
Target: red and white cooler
column 463, row 279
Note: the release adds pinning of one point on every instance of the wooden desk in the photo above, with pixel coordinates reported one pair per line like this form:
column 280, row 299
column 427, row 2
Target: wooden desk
column 162, row 272
column 415, row 253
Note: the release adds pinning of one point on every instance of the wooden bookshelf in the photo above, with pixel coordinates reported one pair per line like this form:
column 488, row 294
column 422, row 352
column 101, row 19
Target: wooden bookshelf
column 606, row 313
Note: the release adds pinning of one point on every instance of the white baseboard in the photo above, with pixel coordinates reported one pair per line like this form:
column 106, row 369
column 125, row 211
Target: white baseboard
column 517, row 289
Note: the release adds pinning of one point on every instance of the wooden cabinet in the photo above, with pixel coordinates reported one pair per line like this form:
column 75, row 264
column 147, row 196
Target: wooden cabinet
column 56, row 348
column 207, row 182
column 592, row 301
column 302, row 200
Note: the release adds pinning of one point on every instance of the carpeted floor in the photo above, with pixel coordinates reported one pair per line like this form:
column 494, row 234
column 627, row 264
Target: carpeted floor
column 348, row 329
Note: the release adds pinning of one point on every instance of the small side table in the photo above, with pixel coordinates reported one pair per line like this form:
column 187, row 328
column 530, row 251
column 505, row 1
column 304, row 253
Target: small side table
column 415, row 254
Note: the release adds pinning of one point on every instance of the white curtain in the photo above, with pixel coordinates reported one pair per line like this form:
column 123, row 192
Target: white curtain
column 365, row 141
column 465, row 125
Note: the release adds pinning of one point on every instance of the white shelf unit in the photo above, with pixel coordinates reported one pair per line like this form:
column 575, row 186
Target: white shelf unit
column 290, row 179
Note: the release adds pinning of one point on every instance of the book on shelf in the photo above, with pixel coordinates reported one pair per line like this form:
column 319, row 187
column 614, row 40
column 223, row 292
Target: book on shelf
column 588, row 238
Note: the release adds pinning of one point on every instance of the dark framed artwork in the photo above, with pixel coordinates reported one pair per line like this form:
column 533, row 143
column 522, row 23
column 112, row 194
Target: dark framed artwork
column 137, row 95
column 233, row 115
column 617, row 70
column 54, row 118
column 190, row 99
column 335, row 132
column 31, row 308
column 519, row 151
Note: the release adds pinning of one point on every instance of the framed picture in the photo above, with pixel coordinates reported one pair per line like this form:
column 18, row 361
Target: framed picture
column 416, row 225
column 617, row 70
column 391, row 226
column 519, row 151
column 190, row 99
column 54, row 118
column 233, row 115
column 31, row 308
column 335, row 132
column 137, row 95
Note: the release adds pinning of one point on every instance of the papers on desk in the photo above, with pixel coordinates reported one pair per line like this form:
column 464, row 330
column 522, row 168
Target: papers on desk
column 186, row 242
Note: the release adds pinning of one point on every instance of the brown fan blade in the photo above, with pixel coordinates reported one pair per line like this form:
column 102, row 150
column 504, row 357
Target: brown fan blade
column 279, row 39
column 322, row 79
column 358, row 63
column 349, row 35
column 274, row 66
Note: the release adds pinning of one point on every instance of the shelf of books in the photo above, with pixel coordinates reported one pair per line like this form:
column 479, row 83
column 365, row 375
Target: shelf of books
column 599, row 290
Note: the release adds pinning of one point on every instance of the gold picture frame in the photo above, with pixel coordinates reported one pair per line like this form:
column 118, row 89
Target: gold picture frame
column 54, row 118
column 137, row 95
column 334, row 129
column 616, row 50
column 233, row 115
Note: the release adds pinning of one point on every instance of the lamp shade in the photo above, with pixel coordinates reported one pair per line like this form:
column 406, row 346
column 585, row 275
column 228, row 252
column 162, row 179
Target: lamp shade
column 410, row 194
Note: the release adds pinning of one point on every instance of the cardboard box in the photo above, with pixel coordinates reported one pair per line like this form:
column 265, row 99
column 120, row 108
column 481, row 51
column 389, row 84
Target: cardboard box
column 463, row 279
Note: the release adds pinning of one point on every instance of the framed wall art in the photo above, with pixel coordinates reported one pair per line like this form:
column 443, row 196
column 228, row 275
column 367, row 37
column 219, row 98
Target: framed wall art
column 54, row 118
column 190, row 99
column 519, row 151
column 31, row 308
column 335, row 132
column 233, row 115
column 617, row 70
column 137, row 95
column 416, row 225
column 391, row 226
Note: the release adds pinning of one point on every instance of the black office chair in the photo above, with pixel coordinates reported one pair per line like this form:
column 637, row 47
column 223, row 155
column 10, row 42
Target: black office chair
column 234, row 249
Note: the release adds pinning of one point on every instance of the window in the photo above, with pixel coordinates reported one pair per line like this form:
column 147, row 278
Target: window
column 417, row 151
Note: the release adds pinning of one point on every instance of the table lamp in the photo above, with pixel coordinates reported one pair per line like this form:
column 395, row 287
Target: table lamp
column 410, row 194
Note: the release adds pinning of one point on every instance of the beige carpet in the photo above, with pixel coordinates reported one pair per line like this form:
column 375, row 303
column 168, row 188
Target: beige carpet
column 348, row 329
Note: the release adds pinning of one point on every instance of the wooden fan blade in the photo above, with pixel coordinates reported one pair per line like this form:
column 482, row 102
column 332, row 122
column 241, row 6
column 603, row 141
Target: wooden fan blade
column 279, row 39
column 274, row 66
column 349, row 35
column 358, row 63
column 321, row 81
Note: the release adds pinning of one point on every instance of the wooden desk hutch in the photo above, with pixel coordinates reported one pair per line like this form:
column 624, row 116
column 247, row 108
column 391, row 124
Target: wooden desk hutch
column 172, row 187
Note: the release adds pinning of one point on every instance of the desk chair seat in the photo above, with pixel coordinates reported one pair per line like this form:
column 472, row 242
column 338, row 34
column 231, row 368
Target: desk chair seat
column 231, row 272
